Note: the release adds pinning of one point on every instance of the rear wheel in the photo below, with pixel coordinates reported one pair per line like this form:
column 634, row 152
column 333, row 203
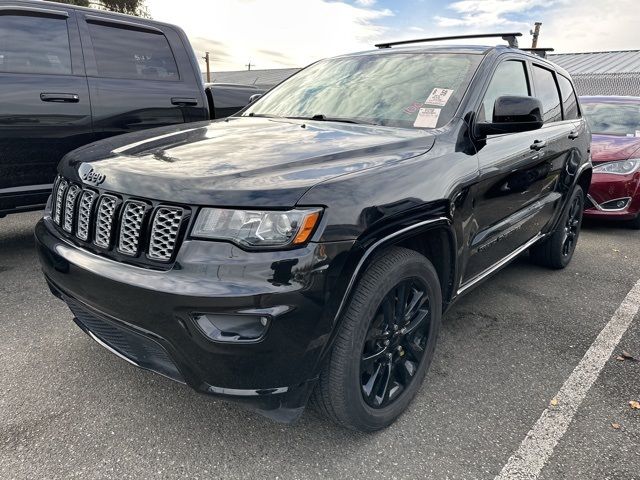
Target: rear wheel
column 557, row 250
column 385, row 343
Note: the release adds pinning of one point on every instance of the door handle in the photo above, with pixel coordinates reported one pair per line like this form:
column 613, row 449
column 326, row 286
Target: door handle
column 60, row 97
column 573, row 135
column 184, row 101
column 538, row 145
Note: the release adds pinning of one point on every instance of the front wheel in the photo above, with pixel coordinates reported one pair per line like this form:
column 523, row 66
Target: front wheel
column 557, row 250
column 384, row 345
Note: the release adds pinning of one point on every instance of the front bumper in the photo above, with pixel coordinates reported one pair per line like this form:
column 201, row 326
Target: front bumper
column 605, row 188
column 147, row 316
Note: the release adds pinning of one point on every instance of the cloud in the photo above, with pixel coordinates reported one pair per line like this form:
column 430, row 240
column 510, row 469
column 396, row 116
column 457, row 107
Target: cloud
column 489, row 13
column 278, row 33
column 591, row 26
column 366, row 3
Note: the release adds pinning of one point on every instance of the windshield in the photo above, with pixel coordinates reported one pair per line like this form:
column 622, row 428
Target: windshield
column 613, row 118
column 401, row 90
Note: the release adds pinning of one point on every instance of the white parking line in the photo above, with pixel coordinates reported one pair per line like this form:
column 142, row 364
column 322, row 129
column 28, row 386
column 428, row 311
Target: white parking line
column 538, row 445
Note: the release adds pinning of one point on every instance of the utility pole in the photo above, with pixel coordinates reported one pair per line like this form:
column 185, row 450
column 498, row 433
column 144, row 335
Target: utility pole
column 535, row 32
column 249, row 65
column 206, row 61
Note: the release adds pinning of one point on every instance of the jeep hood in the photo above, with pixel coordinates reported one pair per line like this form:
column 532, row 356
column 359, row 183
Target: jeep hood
column 259, row 162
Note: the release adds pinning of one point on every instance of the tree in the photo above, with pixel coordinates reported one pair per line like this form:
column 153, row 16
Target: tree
column 132, row 7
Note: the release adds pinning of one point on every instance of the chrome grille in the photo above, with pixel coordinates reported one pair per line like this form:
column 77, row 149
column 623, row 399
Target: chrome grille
column 131, row 223
column 164, row 233
column 104, row 221
column 57, row 211
column 118, row 225
column 84, row 214
column 70, row 207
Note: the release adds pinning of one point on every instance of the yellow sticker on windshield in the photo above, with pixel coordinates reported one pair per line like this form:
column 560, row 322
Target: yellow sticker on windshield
column 427, row 118
column 439, row 97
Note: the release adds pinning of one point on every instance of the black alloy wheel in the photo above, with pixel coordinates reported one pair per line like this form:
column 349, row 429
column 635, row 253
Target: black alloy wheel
column 556, row 251
column 572, row 226
column 395, row 343
column 384, row 343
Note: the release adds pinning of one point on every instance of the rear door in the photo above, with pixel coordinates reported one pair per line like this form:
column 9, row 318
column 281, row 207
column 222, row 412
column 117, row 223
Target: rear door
column 44, row 100
column 140, row 76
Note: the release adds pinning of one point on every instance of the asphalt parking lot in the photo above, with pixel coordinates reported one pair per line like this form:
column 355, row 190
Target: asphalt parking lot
column 70, row 409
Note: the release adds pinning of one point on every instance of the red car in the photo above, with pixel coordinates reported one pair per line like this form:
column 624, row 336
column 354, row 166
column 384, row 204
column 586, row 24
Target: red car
column 615, row 152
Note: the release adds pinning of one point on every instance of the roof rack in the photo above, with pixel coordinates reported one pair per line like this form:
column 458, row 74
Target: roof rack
column 541, row 52
column 509, row 37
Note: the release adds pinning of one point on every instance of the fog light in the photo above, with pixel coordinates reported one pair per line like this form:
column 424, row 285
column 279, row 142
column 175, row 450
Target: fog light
column 617, row 204
column 232, row 328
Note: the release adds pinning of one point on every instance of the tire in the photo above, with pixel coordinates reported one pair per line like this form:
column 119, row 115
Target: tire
column 341, row 392
column 557, row 250
column 635, row 223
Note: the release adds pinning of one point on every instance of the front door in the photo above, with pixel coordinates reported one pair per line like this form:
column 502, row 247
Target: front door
column 515, row 197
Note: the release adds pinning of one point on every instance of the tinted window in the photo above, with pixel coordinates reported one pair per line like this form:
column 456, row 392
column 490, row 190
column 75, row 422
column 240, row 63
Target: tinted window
column 569, row 100
column 547, row 93
column 124, row 53
column 510, row 78
column 397, row 89
column 615, row 118
column 30, row 44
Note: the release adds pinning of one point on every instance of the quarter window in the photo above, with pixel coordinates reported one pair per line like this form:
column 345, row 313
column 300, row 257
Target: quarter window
column 32, row 44
column 547, row 93
column 136, row 54
column 569, row 100
column 510, row 78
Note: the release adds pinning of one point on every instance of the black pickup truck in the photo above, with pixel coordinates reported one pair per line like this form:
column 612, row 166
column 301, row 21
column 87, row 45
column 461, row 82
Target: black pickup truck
column 70, row 76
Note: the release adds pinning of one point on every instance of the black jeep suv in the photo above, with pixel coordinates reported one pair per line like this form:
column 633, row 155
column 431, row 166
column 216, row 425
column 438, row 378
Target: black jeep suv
column 306, row 249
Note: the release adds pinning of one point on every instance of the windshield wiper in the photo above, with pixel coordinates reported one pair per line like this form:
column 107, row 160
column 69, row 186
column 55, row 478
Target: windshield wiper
column 262, row 115
column 323, row 118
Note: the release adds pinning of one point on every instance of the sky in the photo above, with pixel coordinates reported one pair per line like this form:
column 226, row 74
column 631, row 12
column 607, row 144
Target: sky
column 294, row 33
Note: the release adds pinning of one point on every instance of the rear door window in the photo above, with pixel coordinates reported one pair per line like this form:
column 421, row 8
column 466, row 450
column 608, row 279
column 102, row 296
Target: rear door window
column 133, row 54
column 569, row 99
column 510, row 78
column 547, row 93
column 34, row 44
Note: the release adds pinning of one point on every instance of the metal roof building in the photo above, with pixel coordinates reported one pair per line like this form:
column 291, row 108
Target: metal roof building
column 594, row 73
column 260, row 78
column 603, row 73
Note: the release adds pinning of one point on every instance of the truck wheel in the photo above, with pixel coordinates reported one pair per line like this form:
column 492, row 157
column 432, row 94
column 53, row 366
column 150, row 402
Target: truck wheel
column 557, row 250
column 384, row 345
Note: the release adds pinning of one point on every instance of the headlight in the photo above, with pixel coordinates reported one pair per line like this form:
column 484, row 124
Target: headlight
column 255, row 228
column 622, row 167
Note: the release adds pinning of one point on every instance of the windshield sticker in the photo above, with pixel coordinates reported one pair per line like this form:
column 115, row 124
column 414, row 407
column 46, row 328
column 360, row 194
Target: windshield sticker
column 439, row 97
column 427, row 118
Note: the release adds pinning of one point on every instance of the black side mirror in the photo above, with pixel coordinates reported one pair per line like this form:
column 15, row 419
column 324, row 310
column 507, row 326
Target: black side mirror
column 513, row 114
column 254, row 97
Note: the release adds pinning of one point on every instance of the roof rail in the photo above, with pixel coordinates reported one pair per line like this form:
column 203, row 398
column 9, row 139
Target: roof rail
column 509, row 37
column 541, row 52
